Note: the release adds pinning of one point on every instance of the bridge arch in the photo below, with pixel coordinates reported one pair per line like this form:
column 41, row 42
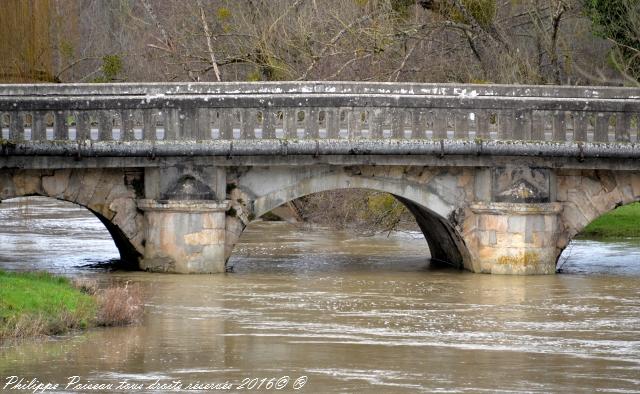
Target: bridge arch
column 432, row 212
column 317, row 183
column 604, row 252
column 587, row 195
column 104, row 193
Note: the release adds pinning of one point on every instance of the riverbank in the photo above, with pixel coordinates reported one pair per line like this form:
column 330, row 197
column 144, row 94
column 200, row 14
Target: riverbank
column 623, row 222
column 38, row 304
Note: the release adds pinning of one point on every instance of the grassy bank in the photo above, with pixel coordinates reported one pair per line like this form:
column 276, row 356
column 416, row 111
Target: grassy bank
column 621, row 222
column 34, row 304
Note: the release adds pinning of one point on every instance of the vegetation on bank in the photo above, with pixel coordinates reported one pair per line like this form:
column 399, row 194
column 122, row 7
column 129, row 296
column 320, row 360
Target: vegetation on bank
column 360, row 210
column 38, row 303
column 624, row 221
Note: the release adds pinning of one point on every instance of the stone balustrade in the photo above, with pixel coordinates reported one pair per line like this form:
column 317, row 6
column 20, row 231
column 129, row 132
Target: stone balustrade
column 317, row 111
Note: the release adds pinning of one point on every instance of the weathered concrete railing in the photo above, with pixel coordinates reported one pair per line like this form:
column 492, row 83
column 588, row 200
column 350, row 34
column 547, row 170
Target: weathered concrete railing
column 318, row 110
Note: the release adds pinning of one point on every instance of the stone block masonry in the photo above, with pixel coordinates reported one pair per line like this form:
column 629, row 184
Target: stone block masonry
column 185, row 236
column 499, row 178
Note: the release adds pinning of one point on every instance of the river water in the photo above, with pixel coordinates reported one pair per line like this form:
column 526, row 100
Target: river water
column 349, row 314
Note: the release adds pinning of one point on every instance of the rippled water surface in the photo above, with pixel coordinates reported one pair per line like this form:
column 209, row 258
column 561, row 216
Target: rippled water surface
column 351, row 314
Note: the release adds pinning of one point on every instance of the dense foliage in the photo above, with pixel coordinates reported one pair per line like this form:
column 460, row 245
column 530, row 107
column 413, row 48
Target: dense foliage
column 619, row 22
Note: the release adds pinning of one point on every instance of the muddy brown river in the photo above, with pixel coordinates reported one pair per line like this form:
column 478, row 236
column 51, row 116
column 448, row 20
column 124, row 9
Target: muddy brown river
column 334, row 313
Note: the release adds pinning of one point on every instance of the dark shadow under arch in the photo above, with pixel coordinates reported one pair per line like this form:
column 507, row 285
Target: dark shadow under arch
column 129, row 256
column 444, row 242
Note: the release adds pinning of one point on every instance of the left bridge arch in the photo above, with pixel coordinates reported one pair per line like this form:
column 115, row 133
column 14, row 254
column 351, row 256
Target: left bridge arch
column 110, row 194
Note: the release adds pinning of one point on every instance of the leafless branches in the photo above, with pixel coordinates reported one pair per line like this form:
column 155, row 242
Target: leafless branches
column 538, row 41
column 207, row 34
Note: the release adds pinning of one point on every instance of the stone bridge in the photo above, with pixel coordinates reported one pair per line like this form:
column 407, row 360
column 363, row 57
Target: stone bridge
column 499, row 178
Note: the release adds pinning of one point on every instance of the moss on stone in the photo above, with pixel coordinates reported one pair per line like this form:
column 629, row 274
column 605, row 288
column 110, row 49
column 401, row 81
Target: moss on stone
column 524, row 259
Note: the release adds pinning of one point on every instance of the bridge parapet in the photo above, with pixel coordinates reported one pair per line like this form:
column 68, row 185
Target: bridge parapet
column 318, row 111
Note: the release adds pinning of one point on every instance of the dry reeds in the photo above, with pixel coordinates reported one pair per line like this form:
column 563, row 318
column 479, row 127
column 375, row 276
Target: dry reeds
column 23, row 326
column 85, row 285
column 119, row 305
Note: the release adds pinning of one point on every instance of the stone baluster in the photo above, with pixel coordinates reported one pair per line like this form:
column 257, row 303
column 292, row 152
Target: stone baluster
column 5, row 122
column 537, row 126
column 149, row 124
column 440, row 125
column 505, row 125
column 60, row 127
column 171, row 124
column 83, row 126
column 126, row 131
column 248, row 120
column 522, row 126
column 559, row 127
column 39, row 126
column 226, row 124
column 203, row 124
column 268, row 124
column 289, row 123
column 418, row 129
column 461, row 125
column 333, row 123
column 349, row 122
column 105, row 126
column 601, row 132
column 352, row 124
column 188, row 123
column 580, row 124
column 312, row 123
column 16, row 126
column 376, row 123
column 482, row 120
column 397, row 123
column 623, row 127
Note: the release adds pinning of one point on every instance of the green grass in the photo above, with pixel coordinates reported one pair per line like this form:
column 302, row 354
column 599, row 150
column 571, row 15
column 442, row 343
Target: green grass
column 41, row 304
column 621, row 222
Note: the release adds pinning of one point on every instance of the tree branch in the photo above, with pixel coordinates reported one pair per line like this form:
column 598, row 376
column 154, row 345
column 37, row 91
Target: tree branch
column 333, row 41
column 557, row 17
column 207, row 34
column 165, row 36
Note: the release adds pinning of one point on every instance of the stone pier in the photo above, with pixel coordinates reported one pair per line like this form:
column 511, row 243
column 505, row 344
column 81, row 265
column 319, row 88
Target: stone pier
column 184, row 236
column 516, row 238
